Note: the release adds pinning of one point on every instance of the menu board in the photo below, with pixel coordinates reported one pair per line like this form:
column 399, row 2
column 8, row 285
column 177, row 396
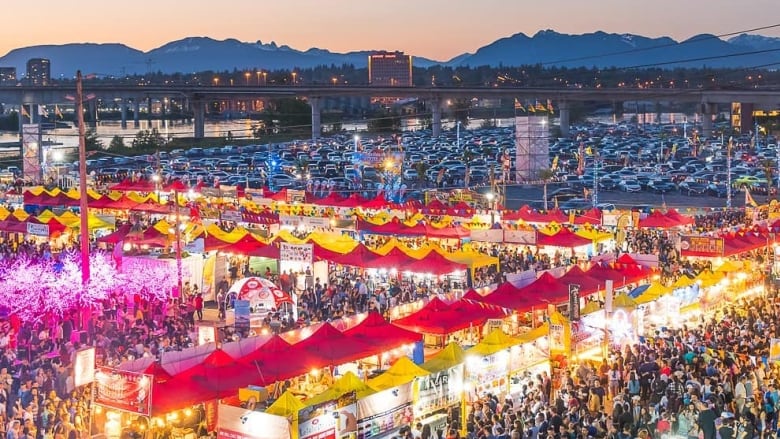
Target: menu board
column 335, row 418
column 694, row 245
column 385, row 411
column 488, row 374
column 438, row 390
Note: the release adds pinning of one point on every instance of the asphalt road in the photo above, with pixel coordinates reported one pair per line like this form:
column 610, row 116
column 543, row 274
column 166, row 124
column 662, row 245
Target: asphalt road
column 520, row 195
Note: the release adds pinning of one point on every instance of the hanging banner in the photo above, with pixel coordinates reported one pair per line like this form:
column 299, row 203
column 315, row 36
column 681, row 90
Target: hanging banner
column 326, row 419
column 240, row 423
column 38, row 229
column 438, row 391
column 520, row 236
column 487, row 235
column 385, row 411
column 84, row 367
column 231, row 215
column 296, row 252
column 574, row 302
column 556, row 338
column 242, row 314
column 121, row 390
column 296, row 220
column 296, row 196
column 207, row 286
column 703, row 246
column 774, row 350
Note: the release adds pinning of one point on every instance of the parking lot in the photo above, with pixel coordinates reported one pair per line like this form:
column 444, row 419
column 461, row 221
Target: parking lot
column 630, row 164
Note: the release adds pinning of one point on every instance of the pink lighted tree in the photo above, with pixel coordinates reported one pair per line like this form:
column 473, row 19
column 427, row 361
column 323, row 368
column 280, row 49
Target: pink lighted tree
column 37, row 289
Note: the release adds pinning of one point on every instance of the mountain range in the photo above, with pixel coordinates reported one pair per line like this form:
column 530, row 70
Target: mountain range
column 549, row 48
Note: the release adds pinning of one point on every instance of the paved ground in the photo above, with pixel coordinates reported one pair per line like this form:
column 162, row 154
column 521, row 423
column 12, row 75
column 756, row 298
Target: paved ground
column 520, row 195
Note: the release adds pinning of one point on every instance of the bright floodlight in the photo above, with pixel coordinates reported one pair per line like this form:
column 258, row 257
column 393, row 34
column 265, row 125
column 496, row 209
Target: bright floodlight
column 155, row 178
column 489, row 196
column 58, row 156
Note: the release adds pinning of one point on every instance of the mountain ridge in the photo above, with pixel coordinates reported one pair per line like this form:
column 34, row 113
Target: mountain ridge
column 546, row 47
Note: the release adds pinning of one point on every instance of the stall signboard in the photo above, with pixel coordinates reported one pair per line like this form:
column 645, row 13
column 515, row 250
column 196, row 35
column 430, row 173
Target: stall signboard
column 240, row 423
column 438, row 390
column 296, row 196
column 84, row 367
column 206, row 334
column 122, row 390
column 228, row 191
column 385, row 411
column 242, row 314
column 610, row 219
column 574, row 302
column 527, row 237
column 310, row 221
column 698, row 245
column 488, row 374
column 487, row 235
column 332, row 419
column 296, row 252
column 38, row 229
column 231, row 215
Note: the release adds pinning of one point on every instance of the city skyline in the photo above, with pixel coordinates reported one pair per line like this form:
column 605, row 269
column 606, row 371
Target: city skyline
column 433, row 29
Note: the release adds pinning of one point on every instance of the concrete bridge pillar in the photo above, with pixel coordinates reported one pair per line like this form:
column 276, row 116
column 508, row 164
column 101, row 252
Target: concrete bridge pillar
column 123, row 113
column 92, row 106
column 563, row 108
column 707, row 110
column 149, row 111
column 316, row 118
column 136, row 113
column 436, row 116
column 746, row 117
column 199, row 116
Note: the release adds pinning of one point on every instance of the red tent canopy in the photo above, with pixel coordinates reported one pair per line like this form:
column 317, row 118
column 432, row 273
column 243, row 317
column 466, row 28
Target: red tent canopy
column 433, row 263
column 330, row 347
column 626, row 259
column 122, row 203
column 437, row 317
column 360, row 256
column 591, row 216
column 564, row 238
column 657, row 220
column 452, row 232
column 682, row 220
column 375, row 330
column 377, row 202
column 128, row 185
column 523, row 213
column 271, row 361
column 151, row 237
column 354, row 200
column 152, row 207
column 54, row 226
column 246, row 245
column 506, row 296
column 175, row 186
column 117, row 235
column 546, row 287
column 605, row 273
column 588, row 285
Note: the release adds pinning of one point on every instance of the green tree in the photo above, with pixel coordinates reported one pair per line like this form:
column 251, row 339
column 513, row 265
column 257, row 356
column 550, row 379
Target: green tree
column 421, row 167
column 460, row 110
column 91, row 141
column 117, row 144
column 148, row 139
column 287, row 114
column 384, row 121
column 545, row 175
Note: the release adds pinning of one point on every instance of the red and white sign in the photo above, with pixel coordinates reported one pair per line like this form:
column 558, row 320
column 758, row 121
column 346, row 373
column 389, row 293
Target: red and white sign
column 121, row 390
column 240, row 423
column 259, row 290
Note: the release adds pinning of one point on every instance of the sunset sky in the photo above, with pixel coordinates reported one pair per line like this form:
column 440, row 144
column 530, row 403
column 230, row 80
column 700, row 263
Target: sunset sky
column 437, row 29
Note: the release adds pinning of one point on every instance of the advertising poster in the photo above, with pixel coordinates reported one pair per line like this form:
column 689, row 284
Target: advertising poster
column 385, row 411
column 206, row 334
column 556, row 337
column 207, row 286
column 128, row 391
column 240, row 423
column 330, row 419
column 487, row 235
column 488, row 374
column 774, row 350
column 520, row 236
column 84, row 367
column 438, row 390
column 242, row 314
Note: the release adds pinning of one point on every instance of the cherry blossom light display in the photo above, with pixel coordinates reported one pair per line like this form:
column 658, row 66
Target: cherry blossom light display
column 37, row 289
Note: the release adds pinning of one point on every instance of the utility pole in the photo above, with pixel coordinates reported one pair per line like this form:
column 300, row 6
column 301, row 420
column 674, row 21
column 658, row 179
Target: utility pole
column 84, row 197
column 728, row 172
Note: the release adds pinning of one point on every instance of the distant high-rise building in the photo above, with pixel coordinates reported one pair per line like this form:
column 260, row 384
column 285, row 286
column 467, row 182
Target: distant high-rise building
column 38, row 71
column 7, row 75
column 390, row 69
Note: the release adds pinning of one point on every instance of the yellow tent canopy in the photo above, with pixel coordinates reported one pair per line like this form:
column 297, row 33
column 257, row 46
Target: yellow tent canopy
column 655, row 291
column 286, row 236
column 551, row 229
column 347, row 383
column 623, row 301
column 402, row 371
column 591, row 307
column 338, row 243
column 472, row 259
column 682, row 282
column 286, row 406
column 450, row 356
column 729, row 266
column 594, row 235
column 494, row 342
column 4, row 213
column 708, row 278
column 538, row 332
column 222, row 235
column 20, row 214
column 46, row 215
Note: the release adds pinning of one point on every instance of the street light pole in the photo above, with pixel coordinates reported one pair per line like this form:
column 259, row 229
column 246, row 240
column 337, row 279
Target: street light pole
column 457, row 127
column 728, row 172
column 83, row 197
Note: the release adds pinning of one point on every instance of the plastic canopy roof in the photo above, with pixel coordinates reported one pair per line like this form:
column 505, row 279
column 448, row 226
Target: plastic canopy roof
column 451, row 355
column 401, row 372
